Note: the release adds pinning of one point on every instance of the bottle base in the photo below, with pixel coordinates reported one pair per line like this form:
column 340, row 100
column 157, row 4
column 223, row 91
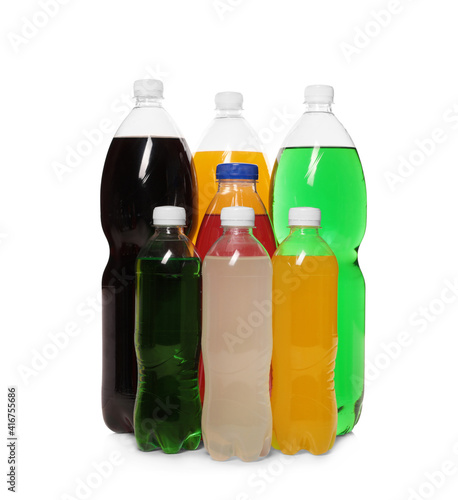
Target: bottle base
column 227, row 450
column 190, row 443
column 348, row 416
column 118, row 414
column 304, row 443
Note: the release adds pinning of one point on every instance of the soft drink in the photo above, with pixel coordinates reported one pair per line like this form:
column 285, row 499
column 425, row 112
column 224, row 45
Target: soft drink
column 319, row 166
column 167, row 337
column 228, row 139
column 237, row 186
column 148, row 164
column 305, row 273
column 237, row 341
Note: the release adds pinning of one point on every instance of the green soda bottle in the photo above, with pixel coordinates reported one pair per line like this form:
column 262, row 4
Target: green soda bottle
column 168, row 314
column 318, row 166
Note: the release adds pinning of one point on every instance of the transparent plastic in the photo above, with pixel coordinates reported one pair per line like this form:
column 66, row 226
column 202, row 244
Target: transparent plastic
column 318, row 166
column 318, row 126
column 304, row 408
column 235, row 193
column 148, row 118
column 229, row 138
column 167, row 342
column 237, row 347
column 148, row 164
column 231, row 193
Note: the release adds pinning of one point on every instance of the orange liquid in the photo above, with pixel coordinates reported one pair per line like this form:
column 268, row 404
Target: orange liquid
column 205, row 163
column 304, row 408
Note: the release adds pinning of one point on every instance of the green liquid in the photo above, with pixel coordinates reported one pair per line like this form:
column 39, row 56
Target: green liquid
column 332, row 179
column 167, row 341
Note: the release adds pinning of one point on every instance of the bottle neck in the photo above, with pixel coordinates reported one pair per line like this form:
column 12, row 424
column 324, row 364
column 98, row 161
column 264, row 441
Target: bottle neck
column 318, row 107
column 237, row 230
column 228, row 185
column 147, row 102
column 169, row 230
column 304, row 230
column 228, row 113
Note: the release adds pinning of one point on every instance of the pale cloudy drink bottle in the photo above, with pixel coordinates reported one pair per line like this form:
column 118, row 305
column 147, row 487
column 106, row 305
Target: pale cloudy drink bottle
column 237, row 341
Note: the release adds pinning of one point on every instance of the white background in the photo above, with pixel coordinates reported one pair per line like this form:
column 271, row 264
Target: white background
column 391, row 93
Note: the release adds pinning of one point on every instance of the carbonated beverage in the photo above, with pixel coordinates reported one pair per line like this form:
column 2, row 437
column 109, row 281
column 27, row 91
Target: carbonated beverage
column 167, row 337
column 237, row 341
column 319, row 166
column 148, row 164
column 305, row 272
column 236, row 187
column 229, row 138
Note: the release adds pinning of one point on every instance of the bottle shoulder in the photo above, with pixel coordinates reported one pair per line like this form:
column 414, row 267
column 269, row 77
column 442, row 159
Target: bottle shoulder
column 236, row 246
column 168, row 246
column 237, row 198
column 318, row 129
column 305, row 245
column 230, row 134
column 148, row 121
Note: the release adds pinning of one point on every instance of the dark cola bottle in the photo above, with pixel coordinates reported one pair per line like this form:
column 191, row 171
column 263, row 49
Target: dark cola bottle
column 148, row 164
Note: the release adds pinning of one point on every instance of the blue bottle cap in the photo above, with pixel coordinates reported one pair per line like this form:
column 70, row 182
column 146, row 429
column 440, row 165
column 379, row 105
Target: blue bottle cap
column 247, row 171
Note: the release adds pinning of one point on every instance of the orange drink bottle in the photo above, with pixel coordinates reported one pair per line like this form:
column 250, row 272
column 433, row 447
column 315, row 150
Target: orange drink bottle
column 305, row 271
column 228, row 139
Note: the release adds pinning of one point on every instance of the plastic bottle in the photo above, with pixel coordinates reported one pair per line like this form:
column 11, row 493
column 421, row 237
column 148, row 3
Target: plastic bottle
column 319, row 166
column 305, row 274
column 236, row 187
column 167, row 337
column 229, row 138
column 148, row 164
column 237, row 341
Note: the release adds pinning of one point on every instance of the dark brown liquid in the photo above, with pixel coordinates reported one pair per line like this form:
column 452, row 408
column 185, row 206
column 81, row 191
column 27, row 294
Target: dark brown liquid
column 140, row 173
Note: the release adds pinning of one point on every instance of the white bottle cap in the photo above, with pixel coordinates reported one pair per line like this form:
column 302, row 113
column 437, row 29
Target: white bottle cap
column 228, row 100
column 148, row 88
column 320, row 94
column 237, row 216
column 304, row 216
column 169, row 216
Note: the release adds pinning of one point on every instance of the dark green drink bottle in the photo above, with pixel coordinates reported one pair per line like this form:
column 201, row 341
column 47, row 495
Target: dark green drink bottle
column 167, row 337
column 318, row 166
